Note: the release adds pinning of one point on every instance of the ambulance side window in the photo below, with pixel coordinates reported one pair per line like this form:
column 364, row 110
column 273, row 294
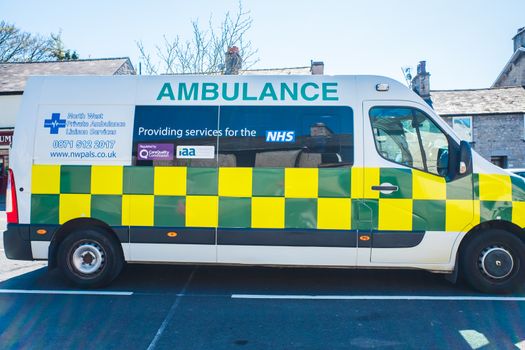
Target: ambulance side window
column 176, row 136
column 409, row 137
column 287, row 136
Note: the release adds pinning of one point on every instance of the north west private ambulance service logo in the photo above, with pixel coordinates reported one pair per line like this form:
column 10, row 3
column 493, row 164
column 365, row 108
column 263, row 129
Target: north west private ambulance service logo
column 55, row 123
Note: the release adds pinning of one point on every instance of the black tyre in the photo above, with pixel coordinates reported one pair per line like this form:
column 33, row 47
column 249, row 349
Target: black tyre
column 493, row 261
column 90, row 257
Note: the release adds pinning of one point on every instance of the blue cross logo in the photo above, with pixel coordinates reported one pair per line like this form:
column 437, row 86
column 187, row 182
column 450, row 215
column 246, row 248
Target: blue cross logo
column 55, row 123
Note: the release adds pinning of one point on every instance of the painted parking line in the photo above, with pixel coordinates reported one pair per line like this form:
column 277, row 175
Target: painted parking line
column 376, row 297
column 64, row 292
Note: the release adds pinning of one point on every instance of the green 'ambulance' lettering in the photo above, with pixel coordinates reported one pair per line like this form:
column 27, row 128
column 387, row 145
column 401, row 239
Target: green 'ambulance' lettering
column 312, row 97
column 166, row 91
column 210, row 91
column 329, row 88
column 268, row 91
column 308, row 91
column 225, row 92
column 285, row 90
column 191, row 94
column 245, row 96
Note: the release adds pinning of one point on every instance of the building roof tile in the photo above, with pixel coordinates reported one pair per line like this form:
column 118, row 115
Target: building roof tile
column 13, row 76
column 504, row 100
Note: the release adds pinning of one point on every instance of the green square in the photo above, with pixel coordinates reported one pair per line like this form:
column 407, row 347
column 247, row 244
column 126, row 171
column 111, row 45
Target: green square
column 170, row 211
column 334, row 182
column 495, row 210
column 401, row 178
column 107, row 208
column 301, row 213
column 518, row 188
column 365, row 214
column 44, row 209
column 202, row 181
column 461, row 188
column 138, row 180
column 235, row 212
column 429, row 215
column 75, row 179
column 268, row 182
column 475, row 183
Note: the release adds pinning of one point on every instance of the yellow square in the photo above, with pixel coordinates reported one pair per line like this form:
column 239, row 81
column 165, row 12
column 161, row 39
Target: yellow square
column 45, row 179
column 170, row 181
column 74, row 206
column 428, row 186
column 495, row 187
column 334, row 213
column 461, row 215
column 518, row 213
column 357, row 182
column 395, row 214
column 202, row 211
column 300, row 182
column 267, row 212
column 106, row 179
column 362, row 181
column 137, row 210
column 235, row 182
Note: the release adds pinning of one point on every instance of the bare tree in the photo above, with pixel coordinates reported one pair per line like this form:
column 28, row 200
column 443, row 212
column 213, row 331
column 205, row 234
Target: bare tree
column 19, row 46
column 204, row 52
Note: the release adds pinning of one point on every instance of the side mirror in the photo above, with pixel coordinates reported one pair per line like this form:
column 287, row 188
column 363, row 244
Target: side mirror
column 465, row 159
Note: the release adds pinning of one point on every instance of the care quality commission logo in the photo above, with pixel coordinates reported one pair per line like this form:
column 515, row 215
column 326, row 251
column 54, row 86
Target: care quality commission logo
column 55, row 123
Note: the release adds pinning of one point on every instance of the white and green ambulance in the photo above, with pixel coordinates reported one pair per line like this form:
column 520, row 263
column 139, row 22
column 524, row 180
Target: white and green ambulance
column 333, row 171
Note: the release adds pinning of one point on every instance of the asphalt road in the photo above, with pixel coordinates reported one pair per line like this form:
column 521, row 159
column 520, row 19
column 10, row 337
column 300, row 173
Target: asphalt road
column 216, row 307
column 186, row 307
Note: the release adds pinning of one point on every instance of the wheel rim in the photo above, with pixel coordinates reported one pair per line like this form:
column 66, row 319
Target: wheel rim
column 88, row 258
column 496, row 262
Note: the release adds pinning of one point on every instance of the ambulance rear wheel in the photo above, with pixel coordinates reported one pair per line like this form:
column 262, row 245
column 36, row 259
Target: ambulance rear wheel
column 90, row 258
column 494, row 261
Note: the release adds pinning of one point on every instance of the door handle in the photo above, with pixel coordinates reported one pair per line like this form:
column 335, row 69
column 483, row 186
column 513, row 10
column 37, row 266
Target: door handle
column 386, row 188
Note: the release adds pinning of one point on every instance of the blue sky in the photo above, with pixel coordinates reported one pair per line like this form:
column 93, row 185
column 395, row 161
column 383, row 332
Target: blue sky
column 466, row 43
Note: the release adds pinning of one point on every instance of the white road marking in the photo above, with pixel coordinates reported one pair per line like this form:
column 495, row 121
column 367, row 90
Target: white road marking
column 521, row 345
column 474, row 338
column 171, row 313
column 375, row 297
column 68, row 292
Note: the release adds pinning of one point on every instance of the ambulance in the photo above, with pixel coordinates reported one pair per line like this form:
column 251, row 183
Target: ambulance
column 319, row 171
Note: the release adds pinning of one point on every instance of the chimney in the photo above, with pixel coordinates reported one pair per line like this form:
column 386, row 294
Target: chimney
column 317, row 67
column 232, row 61
column 519, row 39
column 421, row 82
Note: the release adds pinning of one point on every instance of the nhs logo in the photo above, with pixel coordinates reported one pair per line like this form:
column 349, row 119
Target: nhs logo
column 280, row 136
column 195, row 152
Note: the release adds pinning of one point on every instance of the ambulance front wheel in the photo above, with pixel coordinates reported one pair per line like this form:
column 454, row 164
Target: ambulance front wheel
column 90, row 257
column 494, row 261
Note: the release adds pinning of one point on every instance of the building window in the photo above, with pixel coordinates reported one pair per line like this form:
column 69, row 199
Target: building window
column 500, row 161
column 463, row 127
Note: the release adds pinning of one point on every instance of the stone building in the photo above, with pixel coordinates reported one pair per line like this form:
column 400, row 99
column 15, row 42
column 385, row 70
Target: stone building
column 492, row 119
column 13, row 78
column 513, row 74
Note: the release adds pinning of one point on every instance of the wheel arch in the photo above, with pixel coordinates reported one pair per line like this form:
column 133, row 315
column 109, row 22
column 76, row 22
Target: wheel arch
column 486, row 225
column 73, row 225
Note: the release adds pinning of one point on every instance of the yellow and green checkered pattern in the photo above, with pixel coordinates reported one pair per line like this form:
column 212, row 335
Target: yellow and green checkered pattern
column 274, row 198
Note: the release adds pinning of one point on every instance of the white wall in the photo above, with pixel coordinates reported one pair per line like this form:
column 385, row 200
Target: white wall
column 9, row 106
